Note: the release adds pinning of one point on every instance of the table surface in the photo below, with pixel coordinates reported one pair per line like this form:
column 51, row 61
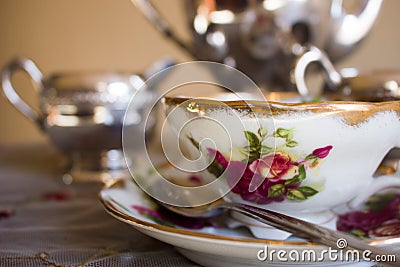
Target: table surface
column 44, row 222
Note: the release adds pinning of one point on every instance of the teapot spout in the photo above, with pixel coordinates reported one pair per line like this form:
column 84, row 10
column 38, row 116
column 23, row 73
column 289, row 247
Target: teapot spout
column 151, row 13
column 350, row 29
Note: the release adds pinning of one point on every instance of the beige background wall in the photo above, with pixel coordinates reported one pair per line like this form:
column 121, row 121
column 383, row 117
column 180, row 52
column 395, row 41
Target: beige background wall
column 79, row 35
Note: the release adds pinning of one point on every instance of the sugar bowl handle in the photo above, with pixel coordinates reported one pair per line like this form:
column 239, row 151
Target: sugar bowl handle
column 36, row 75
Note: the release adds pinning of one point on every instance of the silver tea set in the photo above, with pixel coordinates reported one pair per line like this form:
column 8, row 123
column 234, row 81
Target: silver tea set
column 271, row 41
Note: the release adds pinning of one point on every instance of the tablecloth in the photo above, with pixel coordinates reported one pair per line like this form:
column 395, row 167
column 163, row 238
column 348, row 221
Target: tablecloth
column 45, row 222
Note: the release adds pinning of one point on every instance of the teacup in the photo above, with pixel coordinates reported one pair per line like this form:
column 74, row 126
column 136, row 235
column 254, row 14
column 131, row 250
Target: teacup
column 301, row 159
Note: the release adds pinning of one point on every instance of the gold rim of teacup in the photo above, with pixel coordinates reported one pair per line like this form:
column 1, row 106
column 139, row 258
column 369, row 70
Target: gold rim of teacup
column 349, row 110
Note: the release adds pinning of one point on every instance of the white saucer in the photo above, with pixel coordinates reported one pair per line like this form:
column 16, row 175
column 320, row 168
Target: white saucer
column 210, row 245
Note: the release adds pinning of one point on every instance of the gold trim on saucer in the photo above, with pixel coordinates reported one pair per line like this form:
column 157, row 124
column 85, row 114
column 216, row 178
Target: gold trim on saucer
column 110, row 208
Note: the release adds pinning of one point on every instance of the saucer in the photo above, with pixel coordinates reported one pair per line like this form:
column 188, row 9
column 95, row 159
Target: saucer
column 210, row 242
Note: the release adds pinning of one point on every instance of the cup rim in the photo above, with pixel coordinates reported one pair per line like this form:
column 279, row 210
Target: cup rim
column 210, row 101
column 354, row 112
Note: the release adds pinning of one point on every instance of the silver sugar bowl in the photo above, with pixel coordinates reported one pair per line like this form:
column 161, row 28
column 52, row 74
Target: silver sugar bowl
column 83, row 115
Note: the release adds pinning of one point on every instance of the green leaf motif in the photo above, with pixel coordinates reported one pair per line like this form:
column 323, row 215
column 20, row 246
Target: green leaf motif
column 245, row 150
column 265, row 150
column 215, row 168
column 194, row 142
column 285, row 133
column 294, row 181
column 360, row 233
column 252, row 138
column 276, row 190
column 262, row 133
column 289, row 137
column 281, row 132
column 159, row 220
column 307, row 191
column 252, row 151
column 297, row 179
column 310, row 156
column 379, row 201
column 294, row 194
column 302, row 172
column 291, row 143
column 252, row 156
column 315, row 161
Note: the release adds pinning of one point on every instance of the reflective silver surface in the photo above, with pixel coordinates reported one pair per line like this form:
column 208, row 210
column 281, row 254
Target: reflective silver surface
column 82, row 114
column 348, row 83
column 262, row 38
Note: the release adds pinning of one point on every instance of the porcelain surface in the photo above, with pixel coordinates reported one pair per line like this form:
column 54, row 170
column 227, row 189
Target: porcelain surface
column 207, row 242
column 298, row 158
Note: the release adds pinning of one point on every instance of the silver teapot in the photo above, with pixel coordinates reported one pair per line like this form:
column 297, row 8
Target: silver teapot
column 83, row 114
column 263, row 38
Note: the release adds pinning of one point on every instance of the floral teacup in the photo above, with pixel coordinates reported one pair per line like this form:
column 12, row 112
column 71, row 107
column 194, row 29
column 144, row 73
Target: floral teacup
column 301, row 159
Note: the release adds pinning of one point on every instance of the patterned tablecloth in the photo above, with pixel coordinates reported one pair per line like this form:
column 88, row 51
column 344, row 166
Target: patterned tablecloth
column 44, row 222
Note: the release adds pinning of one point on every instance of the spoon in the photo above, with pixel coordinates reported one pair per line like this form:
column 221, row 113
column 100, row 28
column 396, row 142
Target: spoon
column 287, row 223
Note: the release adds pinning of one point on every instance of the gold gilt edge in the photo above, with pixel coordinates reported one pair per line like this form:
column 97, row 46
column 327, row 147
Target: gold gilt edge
column 352, row 112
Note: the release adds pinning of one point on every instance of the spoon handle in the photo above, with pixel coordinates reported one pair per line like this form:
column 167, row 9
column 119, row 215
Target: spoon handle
column 309, row 230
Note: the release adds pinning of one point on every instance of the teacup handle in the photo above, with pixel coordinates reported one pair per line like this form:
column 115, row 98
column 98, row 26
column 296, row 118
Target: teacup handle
column 36, row 75
column 313, row 54
column 378, row 184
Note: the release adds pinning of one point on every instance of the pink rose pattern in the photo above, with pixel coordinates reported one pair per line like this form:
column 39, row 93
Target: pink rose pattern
column 379, row 218
column 165, row 217
column 280, row 175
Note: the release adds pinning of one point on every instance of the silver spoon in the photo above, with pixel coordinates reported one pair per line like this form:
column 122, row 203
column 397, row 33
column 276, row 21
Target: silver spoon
column 287, row 223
